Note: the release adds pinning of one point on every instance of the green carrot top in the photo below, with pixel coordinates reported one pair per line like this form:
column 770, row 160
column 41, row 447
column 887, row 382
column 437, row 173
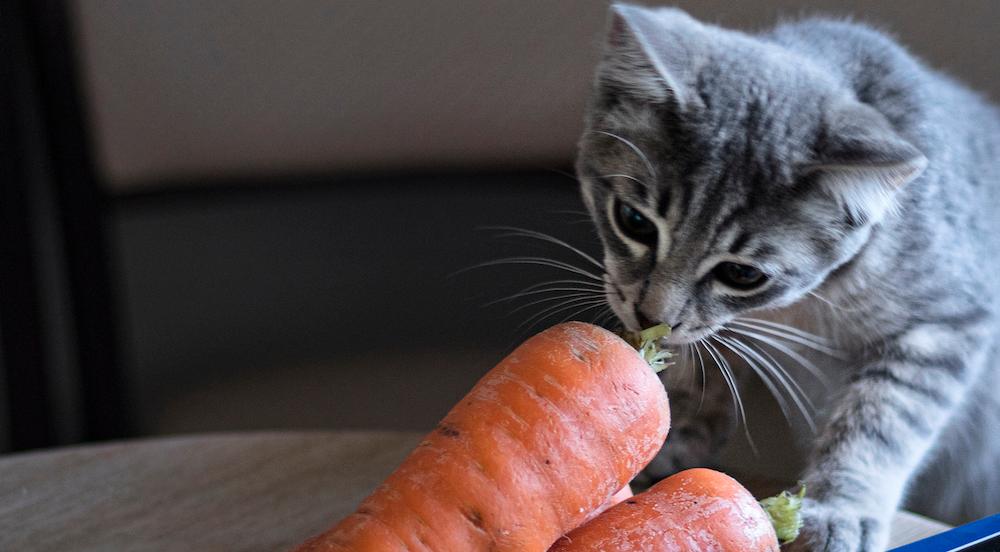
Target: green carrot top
column 647, row 342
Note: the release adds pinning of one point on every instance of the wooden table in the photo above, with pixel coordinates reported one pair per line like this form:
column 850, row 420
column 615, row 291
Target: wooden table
column 225, row 492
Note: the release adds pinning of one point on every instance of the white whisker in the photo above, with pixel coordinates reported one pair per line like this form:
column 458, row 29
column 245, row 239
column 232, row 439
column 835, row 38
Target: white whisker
column 786, row 329
column 579, row 312
column 833, row 305
column 730, row 378
column 564, row 281
column 804, row 362
column 513, row 231
column 789, row 333
column 765, row 377
column 687, row 358
column 633, row 147
column 777, row 366
column 605, row 317
column 595, row 291
column 553, row 310
column 557, row 298
column 787, row 376
column 701, row 364
column 769, row 373
column 790, row 329
column 625, row 176
column 541, row 261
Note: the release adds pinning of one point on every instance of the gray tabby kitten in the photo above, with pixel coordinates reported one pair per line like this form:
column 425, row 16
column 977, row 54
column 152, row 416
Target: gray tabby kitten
column 814, row 165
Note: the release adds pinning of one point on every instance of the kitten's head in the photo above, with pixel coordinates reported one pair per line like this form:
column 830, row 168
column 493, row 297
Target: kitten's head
column 726, row 173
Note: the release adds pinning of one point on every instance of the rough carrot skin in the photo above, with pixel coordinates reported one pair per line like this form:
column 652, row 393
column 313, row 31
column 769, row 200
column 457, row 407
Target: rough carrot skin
column 694, row 510
column 542, row 440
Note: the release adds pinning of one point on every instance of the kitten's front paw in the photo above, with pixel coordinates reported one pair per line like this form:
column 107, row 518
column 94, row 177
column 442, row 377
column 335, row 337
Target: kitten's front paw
column 839, row 528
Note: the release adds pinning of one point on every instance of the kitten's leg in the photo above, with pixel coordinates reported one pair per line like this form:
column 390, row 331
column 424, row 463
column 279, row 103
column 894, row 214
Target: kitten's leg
column 893, row 410
column 962, row 483
column 701, row 421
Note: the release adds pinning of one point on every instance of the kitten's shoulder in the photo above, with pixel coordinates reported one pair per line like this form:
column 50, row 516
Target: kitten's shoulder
column 838, row 37
column 863, row 58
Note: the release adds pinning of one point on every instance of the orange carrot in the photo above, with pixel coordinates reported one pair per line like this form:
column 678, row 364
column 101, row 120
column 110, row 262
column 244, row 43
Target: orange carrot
column 542, row 440
column 624, row 494
column 696, row 509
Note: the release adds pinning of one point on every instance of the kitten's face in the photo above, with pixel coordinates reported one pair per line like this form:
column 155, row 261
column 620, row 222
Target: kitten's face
column 725, row 177
column 694, row 249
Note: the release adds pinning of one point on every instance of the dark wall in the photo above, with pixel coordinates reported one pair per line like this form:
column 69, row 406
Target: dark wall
column 306, row 304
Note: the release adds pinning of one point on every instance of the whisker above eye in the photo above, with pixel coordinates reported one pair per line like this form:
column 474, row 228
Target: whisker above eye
column 625, row 176
column 633, row 147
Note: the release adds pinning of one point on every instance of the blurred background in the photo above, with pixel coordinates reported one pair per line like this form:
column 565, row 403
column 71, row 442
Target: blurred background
column 256, row 215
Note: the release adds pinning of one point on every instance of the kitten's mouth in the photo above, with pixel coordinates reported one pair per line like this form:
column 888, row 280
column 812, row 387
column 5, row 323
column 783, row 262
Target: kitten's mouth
column 687, row 336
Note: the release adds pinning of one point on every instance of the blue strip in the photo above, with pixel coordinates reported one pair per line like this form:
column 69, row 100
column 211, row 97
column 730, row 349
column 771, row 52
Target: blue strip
column 959, row 538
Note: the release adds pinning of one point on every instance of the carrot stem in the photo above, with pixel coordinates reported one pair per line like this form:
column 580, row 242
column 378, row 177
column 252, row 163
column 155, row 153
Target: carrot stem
column 647, row 342
column 784, row 510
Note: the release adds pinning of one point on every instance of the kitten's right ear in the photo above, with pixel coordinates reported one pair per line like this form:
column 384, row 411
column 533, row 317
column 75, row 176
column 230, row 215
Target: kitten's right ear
column 863, row 161
column 652, row 54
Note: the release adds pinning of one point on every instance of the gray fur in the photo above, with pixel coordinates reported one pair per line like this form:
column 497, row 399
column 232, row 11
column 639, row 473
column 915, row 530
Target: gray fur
column 866, row 186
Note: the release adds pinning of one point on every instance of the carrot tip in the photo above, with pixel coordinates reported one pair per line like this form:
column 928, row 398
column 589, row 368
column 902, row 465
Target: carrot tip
column 784, row 510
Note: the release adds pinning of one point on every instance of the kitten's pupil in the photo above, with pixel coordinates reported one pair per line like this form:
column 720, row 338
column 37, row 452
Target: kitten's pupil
column 739, row 276
column 634, row 224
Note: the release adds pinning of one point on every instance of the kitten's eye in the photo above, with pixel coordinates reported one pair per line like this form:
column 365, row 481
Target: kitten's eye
column 739, row 276
column 634, row 224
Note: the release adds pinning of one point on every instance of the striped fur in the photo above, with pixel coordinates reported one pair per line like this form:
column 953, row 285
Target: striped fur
column 866, row 187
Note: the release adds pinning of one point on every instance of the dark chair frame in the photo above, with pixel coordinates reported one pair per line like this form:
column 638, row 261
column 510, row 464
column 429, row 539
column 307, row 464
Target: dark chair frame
column 45, row 145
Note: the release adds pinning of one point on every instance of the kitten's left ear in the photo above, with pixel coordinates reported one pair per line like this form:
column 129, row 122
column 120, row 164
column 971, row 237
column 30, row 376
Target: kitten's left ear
column 654, row 54
column 863, row 161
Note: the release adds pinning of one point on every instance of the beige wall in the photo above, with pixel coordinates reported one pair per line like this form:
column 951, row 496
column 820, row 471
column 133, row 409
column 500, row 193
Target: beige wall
column 183, row 88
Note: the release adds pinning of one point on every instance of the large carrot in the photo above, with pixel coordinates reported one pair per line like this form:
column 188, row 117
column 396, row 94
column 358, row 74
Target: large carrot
column 694, row 510
column 542, row 440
